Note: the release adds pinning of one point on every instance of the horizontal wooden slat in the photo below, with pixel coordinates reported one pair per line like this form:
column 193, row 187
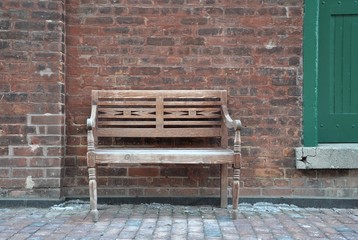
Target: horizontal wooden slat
column 175, row 116
column 188, row 108
column 126, row 103
column 155, row 93
column 191, row 123
column 192, row 103
column 170, row 156
column 152, row 132
column 102, row 124
column 126, row 123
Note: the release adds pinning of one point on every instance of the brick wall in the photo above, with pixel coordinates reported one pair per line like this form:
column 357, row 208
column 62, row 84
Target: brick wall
column 31, row 98
column 252, row 48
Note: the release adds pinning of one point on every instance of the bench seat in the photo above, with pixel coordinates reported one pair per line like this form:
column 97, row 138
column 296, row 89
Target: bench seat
column 165, row 156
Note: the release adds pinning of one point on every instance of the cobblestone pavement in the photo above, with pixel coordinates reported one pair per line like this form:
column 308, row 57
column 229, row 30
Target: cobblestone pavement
column 162, row 221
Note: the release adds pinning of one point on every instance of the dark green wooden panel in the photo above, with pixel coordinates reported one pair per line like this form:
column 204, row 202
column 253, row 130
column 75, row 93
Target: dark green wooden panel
column 338, row 74
column 310, row 73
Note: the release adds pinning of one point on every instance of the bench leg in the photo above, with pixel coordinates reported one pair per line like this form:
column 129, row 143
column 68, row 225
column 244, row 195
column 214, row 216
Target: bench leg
column 93, row 193
column 235, row 188
column 223, row 185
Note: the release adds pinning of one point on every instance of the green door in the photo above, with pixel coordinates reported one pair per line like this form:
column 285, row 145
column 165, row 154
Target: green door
column 338, row 71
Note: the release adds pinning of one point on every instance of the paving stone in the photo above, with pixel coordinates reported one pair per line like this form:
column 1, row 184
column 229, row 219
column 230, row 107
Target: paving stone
column 71, row 220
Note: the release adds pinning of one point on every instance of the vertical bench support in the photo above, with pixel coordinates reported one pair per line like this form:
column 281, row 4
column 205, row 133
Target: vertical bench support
column 92, row 175
column 236, row 125
column 236, row 165
column 93, row 193
column 223, row 185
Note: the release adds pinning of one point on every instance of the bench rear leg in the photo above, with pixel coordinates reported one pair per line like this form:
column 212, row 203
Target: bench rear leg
column 223, row 185
column 235, row 188
column 93, row 193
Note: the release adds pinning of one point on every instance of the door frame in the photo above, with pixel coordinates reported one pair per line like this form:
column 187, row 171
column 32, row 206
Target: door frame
column 310, row 73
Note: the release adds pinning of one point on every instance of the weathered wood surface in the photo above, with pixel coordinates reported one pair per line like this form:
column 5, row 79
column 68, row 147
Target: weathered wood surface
column 163, row 114
column 165, row 156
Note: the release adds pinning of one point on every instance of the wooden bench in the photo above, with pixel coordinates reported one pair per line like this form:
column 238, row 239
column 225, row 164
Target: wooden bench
column 162, row 114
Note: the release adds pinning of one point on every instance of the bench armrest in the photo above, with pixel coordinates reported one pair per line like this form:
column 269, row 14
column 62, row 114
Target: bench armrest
column 91, row 122
column 91, row 129
column 229, row 122
column 236, row 125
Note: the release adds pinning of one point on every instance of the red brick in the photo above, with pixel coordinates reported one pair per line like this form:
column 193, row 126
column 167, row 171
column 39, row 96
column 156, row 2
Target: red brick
column 194, row 21
column 161, row 41
column 4, row 151
column 33, row 150
column 55, row 151
column 269, row 172
column 277, row 192
column 54, row 173
column 47, row 183
column 13, row 162
column 99, row 20
column 143, row 172
column 156, row 192
column 45, row 162
column 12, row 183
column 47, row 120
column 46, row 140
column 25, row 172
column 144, row 70
column 130, row 20
column 55, row 130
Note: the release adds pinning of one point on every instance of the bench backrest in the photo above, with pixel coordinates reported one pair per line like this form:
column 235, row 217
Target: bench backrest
column 160, row 113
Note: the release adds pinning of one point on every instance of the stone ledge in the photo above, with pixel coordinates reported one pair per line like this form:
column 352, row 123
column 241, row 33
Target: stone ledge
column 327, row 156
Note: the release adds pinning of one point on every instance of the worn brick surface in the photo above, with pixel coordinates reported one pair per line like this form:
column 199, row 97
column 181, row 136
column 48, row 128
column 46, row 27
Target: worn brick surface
column 71, row 220
column 253, row 49
column 31, row 98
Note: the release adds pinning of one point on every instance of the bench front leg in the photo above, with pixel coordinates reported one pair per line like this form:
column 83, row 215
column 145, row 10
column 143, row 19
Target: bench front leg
column 235, row 188
column 92, row 177
column 93, row 193
column 223, row 185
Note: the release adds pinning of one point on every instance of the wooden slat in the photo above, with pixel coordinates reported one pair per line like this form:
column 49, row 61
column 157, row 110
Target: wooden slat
column 126, row 103
column 188, row 108
column 224, row 129
column 154, row 93
column 159, row 111
column 125, row 123
column 192, row 123
column 192, row 103
column 151, row 123
column 223, row 185
column 179, row 156
column 181, row 116
column 152, row 132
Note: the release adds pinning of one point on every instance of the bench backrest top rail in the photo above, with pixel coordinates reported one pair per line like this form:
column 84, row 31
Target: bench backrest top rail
column 159, row 113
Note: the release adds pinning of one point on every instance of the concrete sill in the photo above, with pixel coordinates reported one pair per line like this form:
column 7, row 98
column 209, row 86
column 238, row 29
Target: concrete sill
column 327, row 156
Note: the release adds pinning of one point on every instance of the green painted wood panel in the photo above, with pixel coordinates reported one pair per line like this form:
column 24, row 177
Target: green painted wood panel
column 310, row 73
column 337, row 71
